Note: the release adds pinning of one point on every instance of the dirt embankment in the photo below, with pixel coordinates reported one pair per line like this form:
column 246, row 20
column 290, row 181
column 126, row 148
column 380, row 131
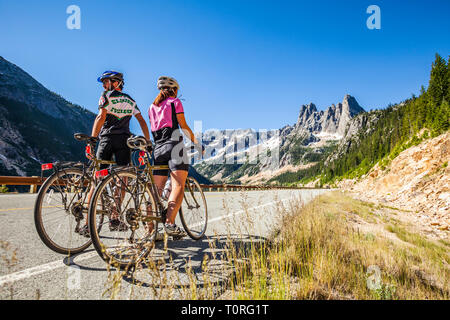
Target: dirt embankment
column 416, row 181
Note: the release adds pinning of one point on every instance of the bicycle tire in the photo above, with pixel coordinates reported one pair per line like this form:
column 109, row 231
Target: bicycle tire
column 42, row 231
column 189, row 221
column 97, row 239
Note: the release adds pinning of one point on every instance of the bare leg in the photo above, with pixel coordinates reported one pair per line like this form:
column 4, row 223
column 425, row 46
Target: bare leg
column 119, row 194
column 160, row 181
column 89, row 197
column 176, row 196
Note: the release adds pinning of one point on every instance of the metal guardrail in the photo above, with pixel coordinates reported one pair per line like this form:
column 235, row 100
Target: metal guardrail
column 34, row 182
column 20, row 181
column 239, row 187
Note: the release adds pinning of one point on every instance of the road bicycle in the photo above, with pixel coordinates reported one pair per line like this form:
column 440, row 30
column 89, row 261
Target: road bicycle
column 61, row 204
column 130, row 194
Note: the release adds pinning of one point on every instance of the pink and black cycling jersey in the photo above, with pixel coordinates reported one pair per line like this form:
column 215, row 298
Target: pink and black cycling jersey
column 163, row 121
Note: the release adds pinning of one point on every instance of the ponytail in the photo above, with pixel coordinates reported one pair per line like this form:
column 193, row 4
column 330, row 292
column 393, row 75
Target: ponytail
column 164, row 94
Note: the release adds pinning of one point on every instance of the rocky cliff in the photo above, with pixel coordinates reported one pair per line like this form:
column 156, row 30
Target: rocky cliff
column 416, row 181
column 36, row 125
column 331, row 121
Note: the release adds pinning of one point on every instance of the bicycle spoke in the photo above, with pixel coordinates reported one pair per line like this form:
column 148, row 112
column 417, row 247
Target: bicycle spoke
column 193, row 212
column 125, row 198
column 60, row 200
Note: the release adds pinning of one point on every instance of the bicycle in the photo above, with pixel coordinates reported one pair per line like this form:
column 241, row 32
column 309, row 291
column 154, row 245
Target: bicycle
column 131, row 194
column 61, row 203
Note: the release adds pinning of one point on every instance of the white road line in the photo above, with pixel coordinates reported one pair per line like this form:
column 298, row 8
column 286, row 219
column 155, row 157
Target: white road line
column 241, row 211
column 30, row 272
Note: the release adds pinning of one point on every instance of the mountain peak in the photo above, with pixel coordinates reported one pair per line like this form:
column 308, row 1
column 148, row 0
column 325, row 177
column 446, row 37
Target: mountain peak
column 331, row 121
column 305, row 112
column 351, row 105
column 308, row 107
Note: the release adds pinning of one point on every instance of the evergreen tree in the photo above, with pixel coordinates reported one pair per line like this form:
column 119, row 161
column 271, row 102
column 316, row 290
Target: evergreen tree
column 448, row 80
column 438, row 86
column 442, row 119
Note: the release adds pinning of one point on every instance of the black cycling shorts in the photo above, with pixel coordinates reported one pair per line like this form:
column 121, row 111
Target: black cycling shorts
column 173, row 154
column 114, row 145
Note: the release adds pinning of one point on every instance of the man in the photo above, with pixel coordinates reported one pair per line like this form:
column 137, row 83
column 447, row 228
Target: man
column 112, row 126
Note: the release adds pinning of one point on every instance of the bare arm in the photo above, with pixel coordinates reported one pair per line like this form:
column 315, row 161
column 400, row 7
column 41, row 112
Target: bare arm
column 143, row 125
column 184, row 126
column 98, row 123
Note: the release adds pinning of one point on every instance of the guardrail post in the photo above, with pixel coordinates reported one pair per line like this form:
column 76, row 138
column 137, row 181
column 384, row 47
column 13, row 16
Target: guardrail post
column 33, row 187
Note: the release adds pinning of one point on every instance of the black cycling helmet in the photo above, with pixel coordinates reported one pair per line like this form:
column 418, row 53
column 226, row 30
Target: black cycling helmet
column 113, row 75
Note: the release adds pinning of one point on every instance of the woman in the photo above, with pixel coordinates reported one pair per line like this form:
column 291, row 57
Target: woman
column 166, row 118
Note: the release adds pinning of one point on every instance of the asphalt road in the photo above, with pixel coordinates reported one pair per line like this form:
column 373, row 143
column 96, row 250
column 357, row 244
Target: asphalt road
column 29, row 270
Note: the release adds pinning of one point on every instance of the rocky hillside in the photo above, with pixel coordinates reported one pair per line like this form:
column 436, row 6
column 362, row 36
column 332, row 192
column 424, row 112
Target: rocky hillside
column 316, row 129
column 417, row 181
column 36, row 125
column 312, row 137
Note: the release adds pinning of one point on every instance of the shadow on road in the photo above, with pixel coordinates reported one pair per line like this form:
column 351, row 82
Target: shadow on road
column 71, row 261
column 190, row 262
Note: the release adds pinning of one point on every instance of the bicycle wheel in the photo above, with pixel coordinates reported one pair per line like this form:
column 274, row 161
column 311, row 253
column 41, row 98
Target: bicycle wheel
column 194, row 211
column 58, row 210
column 124, row 196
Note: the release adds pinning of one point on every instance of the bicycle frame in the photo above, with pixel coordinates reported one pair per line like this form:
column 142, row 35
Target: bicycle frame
column 193, row 197
column 141, row 205
column 147, row 174
column 149, row 168
column 88, row 174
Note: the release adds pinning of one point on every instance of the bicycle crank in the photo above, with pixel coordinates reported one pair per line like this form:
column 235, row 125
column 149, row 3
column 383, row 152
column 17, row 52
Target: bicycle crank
column 131, row 217
column 77, row 211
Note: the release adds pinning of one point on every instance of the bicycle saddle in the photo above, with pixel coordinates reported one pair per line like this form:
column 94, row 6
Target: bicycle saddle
column 138, row 142
column 85, row 137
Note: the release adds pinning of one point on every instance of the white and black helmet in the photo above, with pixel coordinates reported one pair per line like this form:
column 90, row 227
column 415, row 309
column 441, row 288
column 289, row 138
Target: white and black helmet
column 167, row 82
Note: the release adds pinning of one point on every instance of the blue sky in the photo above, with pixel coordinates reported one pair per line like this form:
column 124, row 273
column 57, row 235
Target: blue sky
column 240, row 64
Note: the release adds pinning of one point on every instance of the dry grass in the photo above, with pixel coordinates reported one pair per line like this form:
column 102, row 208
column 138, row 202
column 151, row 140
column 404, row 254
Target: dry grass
column 322, row 250
column 10, row 260
column 320, row 253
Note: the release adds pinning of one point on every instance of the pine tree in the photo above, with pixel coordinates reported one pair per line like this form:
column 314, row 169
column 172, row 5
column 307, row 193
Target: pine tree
column 438, row 86
column 442, row 118
column 448, row 80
